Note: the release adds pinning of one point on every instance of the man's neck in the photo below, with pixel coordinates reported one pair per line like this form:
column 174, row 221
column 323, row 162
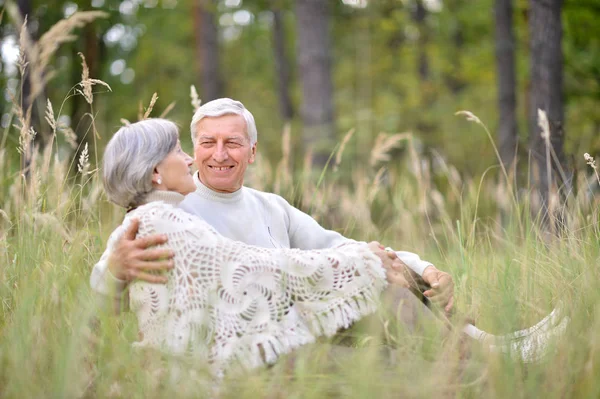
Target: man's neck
column 208, row 193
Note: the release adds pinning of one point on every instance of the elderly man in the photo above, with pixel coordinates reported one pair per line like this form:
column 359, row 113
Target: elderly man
column 225, row 140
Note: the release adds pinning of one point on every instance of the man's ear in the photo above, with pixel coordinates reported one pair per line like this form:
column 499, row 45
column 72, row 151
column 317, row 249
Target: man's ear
column 253, row 153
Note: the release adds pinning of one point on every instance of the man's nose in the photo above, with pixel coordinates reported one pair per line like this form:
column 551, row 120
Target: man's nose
column 220, row 153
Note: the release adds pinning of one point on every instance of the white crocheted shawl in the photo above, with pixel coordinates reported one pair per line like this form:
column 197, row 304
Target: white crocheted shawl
column 230, row 303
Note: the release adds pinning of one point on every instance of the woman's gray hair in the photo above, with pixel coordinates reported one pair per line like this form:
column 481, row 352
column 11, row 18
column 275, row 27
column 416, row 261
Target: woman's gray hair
column 224, row 106
column 131, row 156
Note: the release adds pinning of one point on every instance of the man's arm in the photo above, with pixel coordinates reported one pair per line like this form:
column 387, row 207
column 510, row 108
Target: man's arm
column 305, row 233
column 127, row 258
column 440, row 286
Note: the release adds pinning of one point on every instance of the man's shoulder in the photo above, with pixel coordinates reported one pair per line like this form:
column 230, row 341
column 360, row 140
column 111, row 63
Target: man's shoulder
column 262, row 195
column 190, row 202
column 265, row 196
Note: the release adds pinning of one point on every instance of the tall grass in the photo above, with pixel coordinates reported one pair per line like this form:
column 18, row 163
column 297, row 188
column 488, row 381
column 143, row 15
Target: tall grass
column 54, row 221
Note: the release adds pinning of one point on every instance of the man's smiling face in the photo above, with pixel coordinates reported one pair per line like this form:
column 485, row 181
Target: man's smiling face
column 223, row 152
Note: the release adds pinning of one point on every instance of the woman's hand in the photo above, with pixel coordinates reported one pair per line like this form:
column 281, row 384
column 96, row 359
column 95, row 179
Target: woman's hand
column 133, row 258
column 441, row 291
column 393, row 266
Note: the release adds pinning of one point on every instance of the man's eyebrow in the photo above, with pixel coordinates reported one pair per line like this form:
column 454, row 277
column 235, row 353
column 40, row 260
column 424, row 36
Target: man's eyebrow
column 228, row 138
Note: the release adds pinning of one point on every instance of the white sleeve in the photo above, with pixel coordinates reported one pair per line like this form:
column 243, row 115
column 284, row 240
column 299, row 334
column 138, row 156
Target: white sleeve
column 304, row 231
column 413, row 261
column 108, row 287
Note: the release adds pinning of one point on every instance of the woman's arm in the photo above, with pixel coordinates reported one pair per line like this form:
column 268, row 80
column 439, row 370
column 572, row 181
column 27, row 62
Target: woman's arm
column 128, row 258
column 108, row 287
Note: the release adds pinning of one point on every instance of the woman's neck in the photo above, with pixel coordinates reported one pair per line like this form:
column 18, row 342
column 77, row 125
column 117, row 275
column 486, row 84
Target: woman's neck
column 169, row 197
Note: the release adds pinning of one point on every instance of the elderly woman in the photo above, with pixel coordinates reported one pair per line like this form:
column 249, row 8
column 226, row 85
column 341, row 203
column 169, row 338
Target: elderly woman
column 227, row 302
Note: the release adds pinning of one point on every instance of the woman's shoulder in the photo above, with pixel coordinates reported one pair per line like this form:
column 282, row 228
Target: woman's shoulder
column 164, row 217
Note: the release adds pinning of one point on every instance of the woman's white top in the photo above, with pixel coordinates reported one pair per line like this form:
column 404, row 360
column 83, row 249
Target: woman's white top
column 230, row 303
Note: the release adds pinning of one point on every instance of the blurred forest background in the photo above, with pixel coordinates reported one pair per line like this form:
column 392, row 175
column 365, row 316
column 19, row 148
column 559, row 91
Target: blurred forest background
column 370, row 86
column 329, row 66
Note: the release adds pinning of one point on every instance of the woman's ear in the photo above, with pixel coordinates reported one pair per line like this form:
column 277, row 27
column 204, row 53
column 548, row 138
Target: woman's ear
column 156, row 177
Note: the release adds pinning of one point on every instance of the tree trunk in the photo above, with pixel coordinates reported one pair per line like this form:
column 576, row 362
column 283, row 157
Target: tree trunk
column 282, row 65
column 314, row 65
column 506, row 83
column 546, row 93
column 207, row 42
column 419, row 15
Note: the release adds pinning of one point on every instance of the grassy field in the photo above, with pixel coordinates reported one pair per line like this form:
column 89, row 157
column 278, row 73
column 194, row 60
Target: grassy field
column 55, row 343
column 54, row 222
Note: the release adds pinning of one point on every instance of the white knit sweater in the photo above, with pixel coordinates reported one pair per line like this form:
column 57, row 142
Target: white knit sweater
column 231, row 303
column 268, row 220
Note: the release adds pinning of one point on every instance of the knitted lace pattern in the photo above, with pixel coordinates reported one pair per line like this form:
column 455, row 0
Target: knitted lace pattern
column 230, row 303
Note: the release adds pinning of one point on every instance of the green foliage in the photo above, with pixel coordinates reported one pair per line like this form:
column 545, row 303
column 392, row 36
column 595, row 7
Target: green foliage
column 435, row 192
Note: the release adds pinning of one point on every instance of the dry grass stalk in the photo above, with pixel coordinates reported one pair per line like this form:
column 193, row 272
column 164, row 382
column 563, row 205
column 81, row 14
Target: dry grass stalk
column 69, row 134
column 340, row 152
column 49, row 116
column 591, row 161
column 384, row 144
column 50, row 221
column 283, row 177
column 376, row 185
column 124, row 122
column 4, row 216
column 25, row 43
column 26, row 131
column 150, row 106
column 196, row 102
column 168, row 109
column 84, row 164
column 47, row 156
column 60, row 33
column 87, row 83
column 37, row 56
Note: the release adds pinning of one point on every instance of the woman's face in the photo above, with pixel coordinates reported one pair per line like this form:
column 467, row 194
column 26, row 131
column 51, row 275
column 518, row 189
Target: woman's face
column 174, row 172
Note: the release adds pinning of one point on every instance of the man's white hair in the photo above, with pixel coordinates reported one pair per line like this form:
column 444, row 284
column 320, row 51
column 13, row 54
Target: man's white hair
column 225, row 106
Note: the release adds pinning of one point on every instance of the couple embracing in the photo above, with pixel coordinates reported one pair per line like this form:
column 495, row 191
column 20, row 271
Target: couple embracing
column 232, row 276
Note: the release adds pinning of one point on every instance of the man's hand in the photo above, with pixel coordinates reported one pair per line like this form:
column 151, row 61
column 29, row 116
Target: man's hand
column 393, row 266
column 133, row 258
column 441, row 291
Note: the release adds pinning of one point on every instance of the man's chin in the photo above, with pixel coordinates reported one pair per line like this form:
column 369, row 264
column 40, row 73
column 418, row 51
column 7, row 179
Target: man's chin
column 221, row 186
